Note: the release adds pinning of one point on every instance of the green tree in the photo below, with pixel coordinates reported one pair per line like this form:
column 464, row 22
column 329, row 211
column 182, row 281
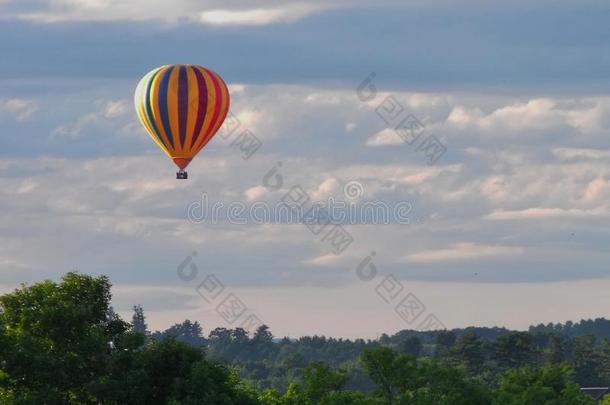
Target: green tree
column 138, row 320
column 516, row 349
column 444, row 341
column 388, row 370
column 320, row 380
column 556, row 352
column 469, row 351
column 55, row 339
column 549, row 385
column 187, row 332
column 586, row 361
column 411, row 346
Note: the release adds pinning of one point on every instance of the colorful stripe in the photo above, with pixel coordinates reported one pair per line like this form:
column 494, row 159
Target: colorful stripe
column 182, row 107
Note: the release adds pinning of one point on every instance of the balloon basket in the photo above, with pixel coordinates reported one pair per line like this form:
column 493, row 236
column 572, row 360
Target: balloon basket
column 182, row 175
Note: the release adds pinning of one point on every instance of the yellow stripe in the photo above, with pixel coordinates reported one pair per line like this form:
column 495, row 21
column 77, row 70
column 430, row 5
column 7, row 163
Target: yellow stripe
column 140, row 109
column 154, row 100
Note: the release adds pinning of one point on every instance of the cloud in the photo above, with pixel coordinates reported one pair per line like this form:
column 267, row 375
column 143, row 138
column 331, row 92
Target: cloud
column 108, row 111
column 255, row 13
column 115, row 108
column 20, row 109
column 261, row 16
column 324, row 260
column 463, row 251
column 113, row 204
column 255, row 193
column 581, row 153
column 386, row 136
column 545, row 213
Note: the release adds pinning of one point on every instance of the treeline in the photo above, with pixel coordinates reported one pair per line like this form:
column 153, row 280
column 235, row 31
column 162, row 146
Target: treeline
column 484, row 353
column 61, row 343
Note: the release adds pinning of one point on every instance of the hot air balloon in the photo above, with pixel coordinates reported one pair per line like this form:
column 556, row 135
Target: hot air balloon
column 181, row 107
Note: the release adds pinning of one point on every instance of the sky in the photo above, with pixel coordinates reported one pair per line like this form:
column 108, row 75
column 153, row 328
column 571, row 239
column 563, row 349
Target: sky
column 509, row 227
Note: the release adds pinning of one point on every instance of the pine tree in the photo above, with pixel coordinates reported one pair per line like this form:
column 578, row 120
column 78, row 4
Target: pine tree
column 138, row 321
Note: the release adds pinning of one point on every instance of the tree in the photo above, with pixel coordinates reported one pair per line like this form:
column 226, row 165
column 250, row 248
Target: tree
column 469, row 351
column 138, row 321
column 55, row 338
column 187, row 332
column 586, row 361
column 444, row 342
column 391, row 372
column 263, row 334
column 516, row 349
column 411, row 346
column 547, row 385
column 404, row 379
column 220, row 335
column 556, row 351
column 320, row 381
column 166, row 372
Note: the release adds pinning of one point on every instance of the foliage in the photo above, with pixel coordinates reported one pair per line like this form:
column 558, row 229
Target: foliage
column 547, row 385
column 61, row 343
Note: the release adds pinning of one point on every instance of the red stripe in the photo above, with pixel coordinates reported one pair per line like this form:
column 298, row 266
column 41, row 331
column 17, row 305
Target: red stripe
column 217, row 106
column 202, row 107
column 183, row 103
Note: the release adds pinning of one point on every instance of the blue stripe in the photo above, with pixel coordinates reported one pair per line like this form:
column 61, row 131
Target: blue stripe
column 148, row 108
column 163, row 109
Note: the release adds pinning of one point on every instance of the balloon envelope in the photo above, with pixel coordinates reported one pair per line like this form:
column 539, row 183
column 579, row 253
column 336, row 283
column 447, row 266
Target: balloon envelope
column 182, row 107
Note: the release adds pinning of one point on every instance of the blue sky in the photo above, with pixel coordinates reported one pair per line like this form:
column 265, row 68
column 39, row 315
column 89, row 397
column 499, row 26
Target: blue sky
column 509, row 227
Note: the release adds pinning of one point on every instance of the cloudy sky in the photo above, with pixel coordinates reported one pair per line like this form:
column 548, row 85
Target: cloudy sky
column 509, row 227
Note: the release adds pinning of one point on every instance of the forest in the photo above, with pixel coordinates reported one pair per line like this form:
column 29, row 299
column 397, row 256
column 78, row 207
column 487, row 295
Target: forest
column 62, row 343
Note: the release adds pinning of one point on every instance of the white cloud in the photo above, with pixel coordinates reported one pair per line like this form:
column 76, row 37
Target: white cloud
column 463, row 251
column 586, row 115
column 386, row 136
column 581, row 153
column 212, row 12
column 544, row 213
column 112, row 109
column 328, row 188
column 255, row 193
column 324, row 260
column 20, row 109
column 260, row 16
column 108, row 111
